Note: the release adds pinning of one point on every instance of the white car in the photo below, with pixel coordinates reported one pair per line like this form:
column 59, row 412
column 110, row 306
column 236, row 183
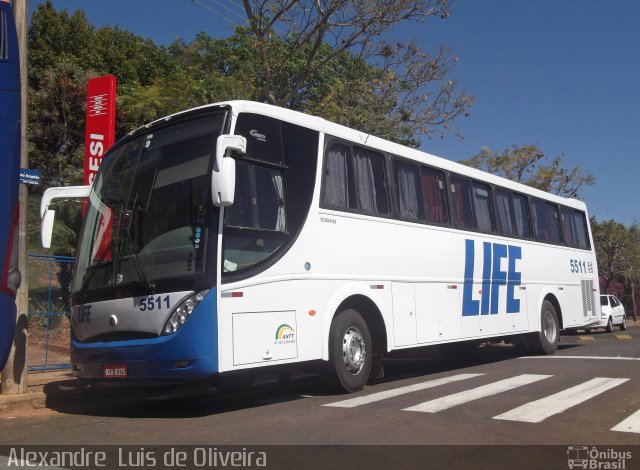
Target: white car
column 612, row 314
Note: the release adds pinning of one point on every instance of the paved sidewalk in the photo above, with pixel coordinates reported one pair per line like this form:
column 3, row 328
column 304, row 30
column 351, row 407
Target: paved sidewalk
column 36, row 397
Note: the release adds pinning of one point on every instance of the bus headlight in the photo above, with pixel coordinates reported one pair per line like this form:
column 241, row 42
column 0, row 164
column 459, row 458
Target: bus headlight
column 182, row 313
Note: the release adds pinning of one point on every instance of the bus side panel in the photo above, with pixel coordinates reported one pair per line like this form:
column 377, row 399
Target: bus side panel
column 286, row 321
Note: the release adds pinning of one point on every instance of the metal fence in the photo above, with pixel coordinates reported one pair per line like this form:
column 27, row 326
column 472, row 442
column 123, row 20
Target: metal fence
column 49, row 280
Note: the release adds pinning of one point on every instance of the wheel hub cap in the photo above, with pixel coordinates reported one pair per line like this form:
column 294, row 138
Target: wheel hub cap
column 549, row 328
column 353, row 350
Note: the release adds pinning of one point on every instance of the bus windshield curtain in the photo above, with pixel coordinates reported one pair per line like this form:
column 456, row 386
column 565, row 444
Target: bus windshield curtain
column 365, row 183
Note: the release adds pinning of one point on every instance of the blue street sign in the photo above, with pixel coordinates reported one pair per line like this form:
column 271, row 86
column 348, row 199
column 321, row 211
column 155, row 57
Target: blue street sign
column 30, row 176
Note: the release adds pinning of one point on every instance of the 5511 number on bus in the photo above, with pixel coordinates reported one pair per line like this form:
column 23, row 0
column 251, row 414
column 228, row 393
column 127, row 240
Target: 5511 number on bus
column 154, row 303
column 578, row 266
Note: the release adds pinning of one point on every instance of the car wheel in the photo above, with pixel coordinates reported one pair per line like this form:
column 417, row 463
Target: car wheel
column 623, row 325
column 610, row 325
column 351, row 351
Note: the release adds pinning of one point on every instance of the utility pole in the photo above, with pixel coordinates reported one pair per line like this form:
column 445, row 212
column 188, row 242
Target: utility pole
column 14, row 375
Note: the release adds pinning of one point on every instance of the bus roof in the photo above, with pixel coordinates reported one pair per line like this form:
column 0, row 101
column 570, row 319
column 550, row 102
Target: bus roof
column 368, row 140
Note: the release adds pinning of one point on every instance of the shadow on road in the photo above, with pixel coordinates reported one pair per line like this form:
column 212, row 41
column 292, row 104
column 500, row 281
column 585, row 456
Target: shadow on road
column 197, row 399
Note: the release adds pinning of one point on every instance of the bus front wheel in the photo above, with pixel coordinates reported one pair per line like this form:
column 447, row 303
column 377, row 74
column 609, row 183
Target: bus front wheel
column 351, row 351
column 546, row 340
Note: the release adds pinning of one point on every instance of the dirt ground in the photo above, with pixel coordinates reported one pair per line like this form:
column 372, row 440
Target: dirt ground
column 57, row 339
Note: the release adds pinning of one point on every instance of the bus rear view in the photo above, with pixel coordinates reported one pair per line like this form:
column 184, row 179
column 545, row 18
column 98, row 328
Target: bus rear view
column 9, row 167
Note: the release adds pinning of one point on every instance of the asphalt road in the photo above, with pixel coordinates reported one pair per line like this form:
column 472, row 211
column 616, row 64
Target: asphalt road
column 577, row 396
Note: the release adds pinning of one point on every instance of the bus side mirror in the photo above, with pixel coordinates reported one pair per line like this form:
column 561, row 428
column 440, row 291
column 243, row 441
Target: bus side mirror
column 47, row 215
column 223, row 177
column 46, row 228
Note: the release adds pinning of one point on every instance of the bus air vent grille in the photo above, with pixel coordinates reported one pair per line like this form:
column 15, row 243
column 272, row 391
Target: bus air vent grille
column 587, row 298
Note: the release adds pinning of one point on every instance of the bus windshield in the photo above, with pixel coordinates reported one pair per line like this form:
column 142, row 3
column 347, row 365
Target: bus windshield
column 147, row 221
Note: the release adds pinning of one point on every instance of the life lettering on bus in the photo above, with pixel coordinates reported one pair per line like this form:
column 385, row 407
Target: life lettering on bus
column 96, row 150
column 83, row 314
column 493, row 278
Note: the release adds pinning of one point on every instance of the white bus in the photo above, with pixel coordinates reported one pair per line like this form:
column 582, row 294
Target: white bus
column 239, row 235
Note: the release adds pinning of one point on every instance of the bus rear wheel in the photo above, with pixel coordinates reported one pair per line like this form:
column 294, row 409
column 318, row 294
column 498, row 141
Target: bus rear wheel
column 351, row 351
column 546, row 340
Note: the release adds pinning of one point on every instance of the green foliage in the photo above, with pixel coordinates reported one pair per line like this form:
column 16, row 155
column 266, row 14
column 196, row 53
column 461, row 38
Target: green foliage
column 380, row 89
column 56, row 122
column 527, row 165
column 618, row 254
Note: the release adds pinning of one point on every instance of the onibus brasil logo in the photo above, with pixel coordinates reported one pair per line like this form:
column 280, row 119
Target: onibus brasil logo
column 593, row 458
column 285, row 334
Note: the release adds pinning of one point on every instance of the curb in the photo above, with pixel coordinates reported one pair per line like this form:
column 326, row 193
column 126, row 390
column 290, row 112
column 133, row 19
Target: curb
column 24, row 402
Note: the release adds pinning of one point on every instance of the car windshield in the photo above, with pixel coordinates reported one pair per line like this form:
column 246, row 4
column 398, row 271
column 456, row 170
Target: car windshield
column 604, row 300
column 146, row 220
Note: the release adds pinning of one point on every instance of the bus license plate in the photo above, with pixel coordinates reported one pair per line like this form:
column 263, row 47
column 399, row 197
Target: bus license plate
column 114, row 371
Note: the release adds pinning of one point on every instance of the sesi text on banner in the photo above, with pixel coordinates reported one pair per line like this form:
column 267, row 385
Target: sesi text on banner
column 100, row 123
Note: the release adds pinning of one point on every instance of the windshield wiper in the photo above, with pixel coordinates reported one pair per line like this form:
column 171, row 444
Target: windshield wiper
column 150, row 285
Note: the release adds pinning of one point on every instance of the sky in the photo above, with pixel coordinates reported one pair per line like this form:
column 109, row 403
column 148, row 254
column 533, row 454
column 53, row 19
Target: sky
column 563, row 74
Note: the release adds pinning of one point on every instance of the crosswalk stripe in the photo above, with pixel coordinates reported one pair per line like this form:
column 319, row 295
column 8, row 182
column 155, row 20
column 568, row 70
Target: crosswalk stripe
column 539, row 410
column 378, row 396
column 439, row 404
column 631, row 424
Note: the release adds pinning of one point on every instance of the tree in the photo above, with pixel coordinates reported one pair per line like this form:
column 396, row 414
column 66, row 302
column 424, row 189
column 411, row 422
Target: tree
column 56, row 122
column 526, row 165
column 301, row 45
column 618, row 255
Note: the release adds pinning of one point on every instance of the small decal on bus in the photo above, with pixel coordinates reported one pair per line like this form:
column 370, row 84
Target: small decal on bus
column 285, row 335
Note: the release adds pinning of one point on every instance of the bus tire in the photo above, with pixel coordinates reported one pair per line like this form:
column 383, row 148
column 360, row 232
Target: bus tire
column 546, row 340
column 351, row 351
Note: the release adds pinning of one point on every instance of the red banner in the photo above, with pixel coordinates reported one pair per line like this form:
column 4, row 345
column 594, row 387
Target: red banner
column 100, row 123
column 99, row 136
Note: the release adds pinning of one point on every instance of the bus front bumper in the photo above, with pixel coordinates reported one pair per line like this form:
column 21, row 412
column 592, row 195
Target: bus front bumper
column 189, row 354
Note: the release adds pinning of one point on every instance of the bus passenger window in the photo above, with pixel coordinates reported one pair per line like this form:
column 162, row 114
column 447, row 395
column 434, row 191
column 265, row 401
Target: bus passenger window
column 574, row 228
column 335, row 185
column 408, row 190
column 568, row 229
column 513, row 212
column 355, row 179
column 435, row 196
column 463, row 202
column 505, row 213
column 483, row 207
column 582, row 234
column 369, row 182
column 545, row 220
column 521, row 216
